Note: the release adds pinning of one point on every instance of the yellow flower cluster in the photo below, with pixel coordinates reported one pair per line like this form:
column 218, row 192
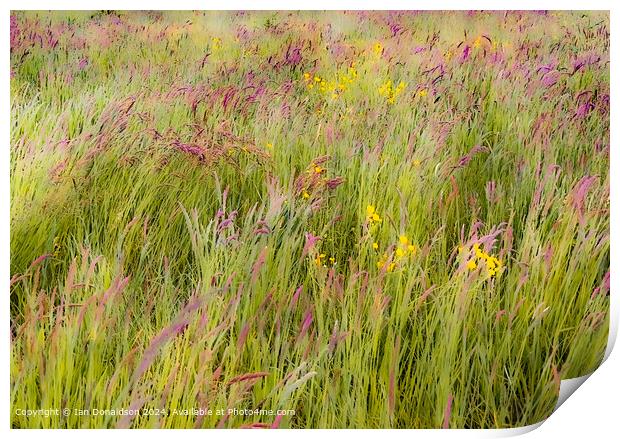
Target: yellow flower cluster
column 377, row 49
column 216, row 43
column 334, row 87
column 371, row 215
column 485, row 43
column 382, row 263
column 321, row 258
column 478, row 258
column 403, row 249
column 390, row 92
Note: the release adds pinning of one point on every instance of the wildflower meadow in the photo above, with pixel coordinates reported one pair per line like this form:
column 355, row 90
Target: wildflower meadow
column 339, row 219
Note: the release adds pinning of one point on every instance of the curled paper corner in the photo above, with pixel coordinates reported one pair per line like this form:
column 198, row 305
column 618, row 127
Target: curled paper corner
column 518, row 431
column 613, row 332
column 568, row 387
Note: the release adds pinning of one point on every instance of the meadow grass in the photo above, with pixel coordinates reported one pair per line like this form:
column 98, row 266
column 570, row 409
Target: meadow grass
column 380, row 220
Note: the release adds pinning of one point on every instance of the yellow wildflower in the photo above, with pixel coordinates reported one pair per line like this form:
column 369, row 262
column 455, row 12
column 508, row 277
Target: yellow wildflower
column 491, row 263
column 389, row 92
column 372, row 215
column 319, row 258
column 216, row 43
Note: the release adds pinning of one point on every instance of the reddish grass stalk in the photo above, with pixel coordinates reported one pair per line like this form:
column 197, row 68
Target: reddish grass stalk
column 256, row 425
column 151, row 352
column 40, row 259
column 447, row 413
column 125, row 421
column 310, row 243
column 276, row 422
column 242, row 336
column 295, row 297
column 305, row 324
column 260, row 261
column 247, row 376
column 423, row 297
